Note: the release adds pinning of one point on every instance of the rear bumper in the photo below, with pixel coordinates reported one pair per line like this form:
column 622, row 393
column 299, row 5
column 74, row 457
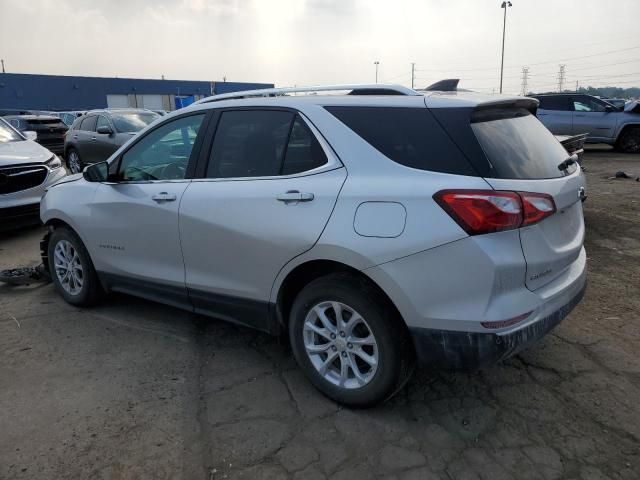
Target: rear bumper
column 462, row 350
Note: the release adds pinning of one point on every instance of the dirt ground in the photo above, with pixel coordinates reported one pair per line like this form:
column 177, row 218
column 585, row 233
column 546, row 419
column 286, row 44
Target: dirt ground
column 133, row 389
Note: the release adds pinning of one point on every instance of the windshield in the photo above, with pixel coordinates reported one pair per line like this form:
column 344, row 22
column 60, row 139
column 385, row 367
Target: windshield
column 132, row 122
column 518, row 145
column 8, row 134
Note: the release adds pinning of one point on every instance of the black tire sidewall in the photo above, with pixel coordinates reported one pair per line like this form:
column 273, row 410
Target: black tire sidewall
column 623, row 142
column 388, row 334
column 73, row 150
column 90, row 287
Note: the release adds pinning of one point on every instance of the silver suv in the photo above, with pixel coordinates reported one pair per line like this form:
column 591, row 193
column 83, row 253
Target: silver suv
column 370, row 228
column 574, row 114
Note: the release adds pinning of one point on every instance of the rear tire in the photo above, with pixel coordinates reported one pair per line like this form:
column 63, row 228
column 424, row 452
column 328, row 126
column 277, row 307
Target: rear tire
column 71, row 269
column 339, row 324
column 74, row 162
column 629, row 140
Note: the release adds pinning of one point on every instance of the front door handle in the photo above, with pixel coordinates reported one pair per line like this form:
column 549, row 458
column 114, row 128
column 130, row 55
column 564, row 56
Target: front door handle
column 93, row 138
column 163, row 197
column 295, row 196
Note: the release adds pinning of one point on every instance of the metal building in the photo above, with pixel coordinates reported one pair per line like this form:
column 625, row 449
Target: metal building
column 20, row 91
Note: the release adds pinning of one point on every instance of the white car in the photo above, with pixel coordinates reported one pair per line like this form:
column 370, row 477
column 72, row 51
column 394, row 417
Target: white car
column 371, row 228
column 27, row 169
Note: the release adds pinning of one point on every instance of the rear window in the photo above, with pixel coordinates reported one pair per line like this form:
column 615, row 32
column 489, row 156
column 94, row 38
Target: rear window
column 408, row 136
column 517, row 145
column 45, row 124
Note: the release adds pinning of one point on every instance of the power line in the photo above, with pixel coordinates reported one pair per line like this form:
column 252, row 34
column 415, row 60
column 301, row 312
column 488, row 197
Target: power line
column 454, row 69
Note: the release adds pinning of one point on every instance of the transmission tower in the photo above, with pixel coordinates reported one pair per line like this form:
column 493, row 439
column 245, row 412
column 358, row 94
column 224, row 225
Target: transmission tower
column 525, row 81
column 561, row 78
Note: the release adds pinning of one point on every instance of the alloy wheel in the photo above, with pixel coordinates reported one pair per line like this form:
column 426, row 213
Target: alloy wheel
column 74, row 162
column 340, row 345
column 68, row 267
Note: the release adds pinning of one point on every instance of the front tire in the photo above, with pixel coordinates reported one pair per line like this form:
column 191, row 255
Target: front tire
column 629, row 141
column 348, row 341
column 71, row 268
column 74, row 162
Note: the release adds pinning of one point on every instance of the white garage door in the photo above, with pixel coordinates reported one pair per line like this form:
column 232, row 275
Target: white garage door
column 152, row 102
column 117, row 101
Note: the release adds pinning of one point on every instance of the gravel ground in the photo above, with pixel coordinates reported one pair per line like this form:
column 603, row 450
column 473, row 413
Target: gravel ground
column 133, row 389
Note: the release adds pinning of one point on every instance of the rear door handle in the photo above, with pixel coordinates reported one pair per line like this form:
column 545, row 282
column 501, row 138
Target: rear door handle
column 295, row 196
column 163, row 197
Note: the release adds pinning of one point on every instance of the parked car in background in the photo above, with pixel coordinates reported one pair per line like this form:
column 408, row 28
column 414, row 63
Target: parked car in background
column 94, row 136
column 50, row 130
column 456, row 237
column 574, row 113
column 616, row 102
column 69, row 117
column 26, row 170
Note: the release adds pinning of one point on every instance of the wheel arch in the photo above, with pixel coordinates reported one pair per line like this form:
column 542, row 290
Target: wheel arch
column 624, row 127
column 300, row 276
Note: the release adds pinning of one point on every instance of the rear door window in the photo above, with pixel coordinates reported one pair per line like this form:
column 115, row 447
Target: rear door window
column 250, row 143
column 517, row 145
column 558, row 103
column 408, row 136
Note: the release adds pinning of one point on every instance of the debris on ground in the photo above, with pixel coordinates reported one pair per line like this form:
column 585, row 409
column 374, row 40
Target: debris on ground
column 621, row 174
column 24, row 275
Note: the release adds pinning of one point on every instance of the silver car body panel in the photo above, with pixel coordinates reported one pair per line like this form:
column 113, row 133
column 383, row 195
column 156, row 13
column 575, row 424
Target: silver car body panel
column 233, row 237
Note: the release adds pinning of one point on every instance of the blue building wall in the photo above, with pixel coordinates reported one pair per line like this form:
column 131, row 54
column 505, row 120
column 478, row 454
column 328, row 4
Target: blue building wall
column 54, row 92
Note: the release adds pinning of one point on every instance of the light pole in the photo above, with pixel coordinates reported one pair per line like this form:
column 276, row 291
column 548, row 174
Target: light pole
column 504, row 5
column 376, row 63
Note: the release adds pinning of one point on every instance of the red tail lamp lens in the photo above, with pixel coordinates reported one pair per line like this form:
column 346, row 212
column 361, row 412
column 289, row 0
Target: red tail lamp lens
column 487, row 211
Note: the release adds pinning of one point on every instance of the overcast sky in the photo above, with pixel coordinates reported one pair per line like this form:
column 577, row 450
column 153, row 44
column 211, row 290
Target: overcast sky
column 307, row 42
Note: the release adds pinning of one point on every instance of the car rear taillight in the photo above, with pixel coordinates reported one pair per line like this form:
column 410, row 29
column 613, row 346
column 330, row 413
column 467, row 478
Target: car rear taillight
column 486, row 211
column 536, row 206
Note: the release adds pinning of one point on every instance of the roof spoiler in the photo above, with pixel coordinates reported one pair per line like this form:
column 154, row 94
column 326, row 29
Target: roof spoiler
column 447, row 85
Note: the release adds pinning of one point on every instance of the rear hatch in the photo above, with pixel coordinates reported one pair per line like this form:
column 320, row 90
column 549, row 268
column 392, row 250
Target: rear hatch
column 50, row 130
column 513, row 151
column 526, row 157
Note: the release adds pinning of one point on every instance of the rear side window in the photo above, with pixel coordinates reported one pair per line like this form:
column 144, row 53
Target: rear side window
column 88, row 124
column 303, row 150
column 560, row 103
column 408, row 136
column 517, row 145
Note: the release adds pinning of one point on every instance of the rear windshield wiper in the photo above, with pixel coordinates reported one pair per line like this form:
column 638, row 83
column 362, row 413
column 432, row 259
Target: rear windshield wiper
column 562, row 166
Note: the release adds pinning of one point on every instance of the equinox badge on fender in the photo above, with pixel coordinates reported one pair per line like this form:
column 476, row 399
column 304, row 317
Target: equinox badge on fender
column 582, row 194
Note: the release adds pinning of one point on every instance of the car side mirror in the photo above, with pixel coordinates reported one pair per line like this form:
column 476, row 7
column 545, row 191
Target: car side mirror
column 104, row 130
column 98, row 172
column 30, row 135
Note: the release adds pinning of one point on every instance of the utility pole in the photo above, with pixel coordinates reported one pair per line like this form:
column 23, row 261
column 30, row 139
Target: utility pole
column 561, row 77
column 576, row 85
column 525, row 81
column 376, row 63
column 413, row 74
column 504, row 5
column 2, row 61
